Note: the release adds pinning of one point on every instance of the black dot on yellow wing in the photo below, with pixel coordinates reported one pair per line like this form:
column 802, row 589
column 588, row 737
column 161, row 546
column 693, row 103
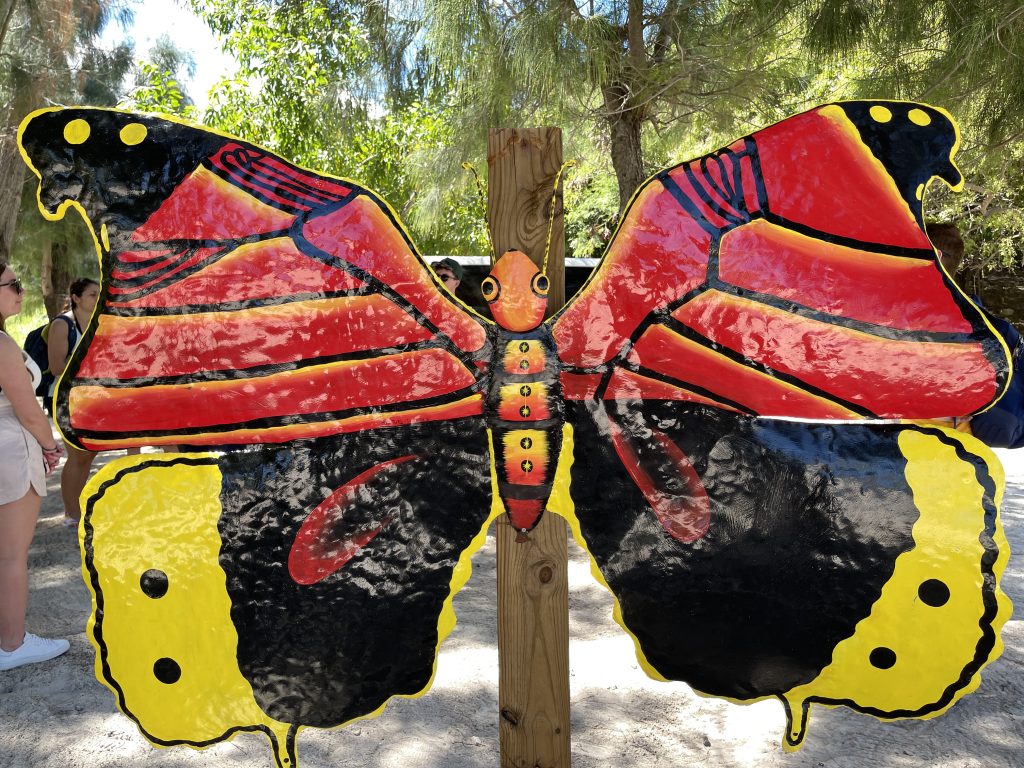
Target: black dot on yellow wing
column 882, row 658
column 77, row 131
column 933, row 592
column 524, row 346
column 167, row 671
column 526, row 442
column 525, row 390
column 154, row 583
column 524, row 364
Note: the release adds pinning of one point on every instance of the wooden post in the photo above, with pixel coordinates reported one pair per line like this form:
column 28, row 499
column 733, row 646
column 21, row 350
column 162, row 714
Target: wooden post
column 533, row 591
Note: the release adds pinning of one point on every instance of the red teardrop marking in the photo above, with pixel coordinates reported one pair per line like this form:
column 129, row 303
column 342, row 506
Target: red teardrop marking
column 317, row 552
column 686, row 515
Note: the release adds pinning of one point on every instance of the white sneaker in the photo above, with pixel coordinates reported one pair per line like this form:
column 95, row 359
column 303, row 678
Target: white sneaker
column 32, row 649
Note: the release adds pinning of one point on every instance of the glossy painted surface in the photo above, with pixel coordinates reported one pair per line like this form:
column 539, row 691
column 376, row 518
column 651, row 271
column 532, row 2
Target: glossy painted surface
column 793, row 266
column 249, row 302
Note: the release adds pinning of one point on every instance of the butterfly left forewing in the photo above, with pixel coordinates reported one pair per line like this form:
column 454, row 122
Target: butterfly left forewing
column 244, row 299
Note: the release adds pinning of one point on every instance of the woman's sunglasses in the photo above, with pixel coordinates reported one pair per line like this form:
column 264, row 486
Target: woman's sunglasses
column 15, row 284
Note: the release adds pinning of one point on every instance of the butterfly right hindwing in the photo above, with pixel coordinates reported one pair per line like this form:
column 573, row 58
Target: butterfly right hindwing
column 825, row 547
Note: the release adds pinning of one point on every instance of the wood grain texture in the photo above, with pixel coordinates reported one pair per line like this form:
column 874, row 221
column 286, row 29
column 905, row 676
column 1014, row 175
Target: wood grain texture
column 522, row 165
column 533, row 593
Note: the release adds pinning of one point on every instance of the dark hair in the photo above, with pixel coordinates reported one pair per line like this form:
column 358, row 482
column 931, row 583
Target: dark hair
column 78, row 288
column 451, row 265
column 946, row 237
column 3, row 268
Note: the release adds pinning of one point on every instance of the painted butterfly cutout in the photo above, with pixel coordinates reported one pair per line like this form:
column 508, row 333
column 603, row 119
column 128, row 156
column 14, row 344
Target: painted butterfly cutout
column 249, row 302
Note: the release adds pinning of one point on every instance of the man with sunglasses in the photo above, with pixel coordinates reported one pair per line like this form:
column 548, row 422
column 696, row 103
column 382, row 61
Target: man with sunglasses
column 450, row 273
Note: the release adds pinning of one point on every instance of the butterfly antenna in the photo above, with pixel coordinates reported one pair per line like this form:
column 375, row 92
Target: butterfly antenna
column 551, row 218
column 483, row 206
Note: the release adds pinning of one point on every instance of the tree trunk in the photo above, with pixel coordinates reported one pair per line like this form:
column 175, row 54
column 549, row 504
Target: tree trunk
column 624, row 123
column 6, row 14
column 55, row 277
column 12, row 179
column 12, row 168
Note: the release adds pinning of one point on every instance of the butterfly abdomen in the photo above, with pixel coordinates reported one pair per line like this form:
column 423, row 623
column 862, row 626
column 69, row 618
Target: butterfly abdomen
column 524, row 412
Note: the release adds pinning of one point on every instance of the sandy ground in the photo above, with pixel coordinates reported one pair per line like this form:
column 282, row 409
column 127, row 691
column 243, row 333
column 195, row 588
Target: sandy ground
column 57, row 715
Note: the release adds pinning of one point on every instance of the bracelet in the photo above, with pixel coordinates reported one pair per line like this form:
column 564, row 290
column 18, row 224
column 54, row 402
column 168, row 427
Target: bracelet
column 55, row 449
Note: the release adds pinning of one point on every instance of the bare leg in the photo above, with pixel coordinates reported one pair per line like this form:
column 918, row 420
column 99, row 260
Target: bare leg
column 17, row 525
column 73, row 478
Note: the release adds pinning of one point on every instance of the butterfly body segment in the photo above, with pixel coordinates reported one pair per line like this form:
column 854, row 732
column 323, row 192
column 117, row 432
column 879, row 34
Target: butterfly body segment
column 525, row 417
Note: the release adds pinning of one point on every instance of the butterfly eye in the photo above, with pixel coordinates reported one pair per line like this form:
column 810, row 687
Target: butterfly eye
column 541, row 284
column 490, row 289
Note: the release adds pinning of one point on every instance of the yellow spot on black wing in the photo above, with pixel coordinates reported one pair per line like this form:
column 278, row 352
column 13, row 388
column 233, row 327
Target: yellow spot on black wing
column 919, row 117
column 133, row 133
column 880, row 114
column 76, row 131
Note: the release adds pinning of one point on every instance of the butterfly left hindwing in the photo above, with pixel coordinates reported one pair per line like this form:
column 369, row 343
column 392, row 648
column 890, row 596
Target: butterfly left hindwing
column 200, row 624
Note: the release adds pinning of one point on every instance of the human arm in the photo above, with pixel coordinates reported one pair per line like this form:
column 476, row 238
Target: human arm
column 57, row 346
column 17, row 386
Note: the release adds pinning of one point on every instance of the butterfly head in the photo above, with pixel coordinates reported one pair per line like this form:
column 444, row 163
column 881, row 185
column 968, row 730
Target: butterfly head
column 516, row 292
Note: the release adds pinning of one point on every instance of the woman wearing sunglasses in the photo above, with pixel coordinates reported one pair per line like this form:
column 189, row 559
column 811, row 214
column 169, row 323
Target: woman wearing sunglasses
column 28, row 453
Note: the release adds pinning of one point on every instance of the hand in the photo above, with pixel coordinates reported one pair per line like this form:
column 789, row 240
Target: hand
column 52, row 457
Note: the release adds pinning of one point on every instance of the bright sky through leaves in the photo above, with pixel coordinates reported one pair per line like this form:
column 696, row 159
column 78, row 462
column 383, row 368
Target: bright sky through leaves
column 154, row 18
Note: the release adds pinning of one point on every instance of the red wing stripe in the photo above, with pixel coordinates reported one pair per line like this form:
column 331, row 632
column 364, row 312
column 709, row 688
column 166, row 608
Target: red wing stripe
column 749, row 185
column 279, row 432
column 272, row 172
column 711, row 191
column 340, row 233
column 135, row 347
column 141, row 257
column 284, row 186
column 393, row 380
column 262, row 270
column 627, row 385
column 668, row 353
column 170, row 258
column 892, row 291
column 892, row 378
column 649, row 265
column 135, row 286
column 699, row 201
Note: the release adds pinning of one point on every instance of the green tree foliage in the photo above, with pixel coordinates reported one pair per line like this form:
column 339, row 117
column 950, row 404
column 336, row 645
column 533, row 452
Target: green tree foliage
column 310, row 86
column 157, row 83
column 628, row 67
column 48, row 55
